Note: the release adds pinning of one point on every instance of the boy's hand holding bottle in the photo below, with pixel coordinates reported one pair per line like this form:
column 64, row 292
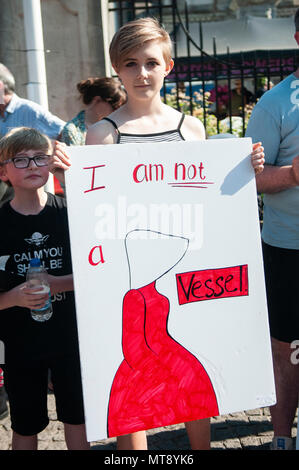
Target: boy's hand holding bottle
column 25, row 296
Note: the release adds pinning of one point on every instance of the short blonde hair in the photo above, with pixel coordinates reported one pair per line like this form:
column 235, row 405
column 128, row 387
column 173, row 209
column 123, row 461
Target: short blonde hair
column 23, row 138
column 135, row 34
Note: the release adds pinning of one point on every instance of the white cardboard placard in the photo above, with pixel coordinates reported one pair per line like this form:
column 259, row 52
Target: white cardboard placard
column 176, row 226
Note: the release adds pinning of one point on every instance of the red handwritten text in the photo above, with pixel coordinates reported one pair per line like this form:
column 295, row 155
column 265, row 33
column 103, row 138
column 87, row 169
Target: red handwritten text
column 210, row 284
column 93, row 168
column 183, row 172
column 148, row 173
column 182, row 175
column 96, row 256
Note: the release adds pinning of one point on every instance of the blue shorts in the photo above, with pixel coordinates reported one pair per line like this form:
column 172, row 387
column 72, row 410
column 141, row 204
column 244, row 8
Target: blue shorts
column 26, row 384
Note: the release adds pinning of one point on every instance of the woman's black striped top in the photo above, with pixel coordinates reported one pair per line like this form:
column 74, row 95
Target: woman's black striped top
column 166, row 136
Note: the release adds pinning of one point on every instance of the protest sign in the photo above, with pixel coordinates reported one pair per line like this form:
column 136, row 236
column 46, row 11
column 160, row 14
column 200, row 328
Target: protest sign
column 169, row 283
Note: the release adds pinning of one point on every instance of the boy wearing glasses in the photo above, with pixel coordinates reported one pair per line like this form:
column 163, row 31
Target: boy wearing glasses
column 34, row 224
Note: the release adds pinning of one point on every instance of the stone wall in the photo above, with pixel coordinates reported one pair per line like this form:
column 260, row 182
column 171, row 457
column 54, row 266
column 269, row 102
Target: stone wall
column 73, row 43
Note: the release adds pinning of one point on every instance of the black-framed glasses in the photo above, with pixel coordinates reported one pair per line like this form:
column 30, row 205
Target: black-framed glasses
column 22, row 161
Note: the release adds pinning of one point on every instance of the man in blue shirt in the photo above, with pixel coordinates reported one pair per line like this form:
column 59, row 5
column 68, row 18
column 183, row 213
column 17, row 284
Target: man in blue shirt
column 20, row 112
column 275, row 122
column 16, row 111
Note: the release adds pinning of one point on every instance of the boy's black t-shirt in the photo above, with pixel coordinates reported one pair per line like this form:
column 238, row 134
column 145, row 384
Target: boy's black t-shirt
column 23, row 237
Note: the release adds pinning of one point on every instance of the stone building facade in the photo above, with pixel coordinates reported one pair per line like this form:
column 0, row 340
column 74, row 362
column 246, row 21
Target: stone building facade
column 73, row 42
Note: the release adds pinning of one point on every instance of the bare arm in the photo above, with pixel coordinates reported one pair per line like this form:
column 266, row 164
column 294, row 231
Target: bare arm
column 22, row 296
column 193, row 129
column 278, row 178
column 101, row 133
column 61, row 283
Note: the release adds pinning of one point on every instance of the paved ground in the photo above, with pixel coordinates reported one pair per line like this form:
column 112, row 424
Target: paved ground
column 250, row 430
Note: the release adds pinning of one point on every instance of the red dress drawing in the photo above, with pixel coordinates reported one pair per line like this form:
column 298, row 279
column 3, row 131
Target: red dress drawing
column 159, row 382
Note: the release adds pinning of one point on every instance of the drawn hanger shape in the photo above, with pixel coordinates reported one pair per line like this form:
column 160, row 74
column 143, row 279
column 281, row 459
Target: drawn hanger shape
column 151, row 254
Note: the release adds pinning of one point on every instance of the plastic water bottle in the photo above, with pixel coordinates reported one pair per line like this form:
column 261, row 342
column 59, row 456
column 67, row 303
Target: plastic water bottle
column 37, row 278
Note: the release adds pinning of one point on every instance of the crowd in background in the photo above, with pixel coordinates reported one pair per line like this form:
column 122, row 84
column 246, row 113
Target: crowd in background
column 274, row 122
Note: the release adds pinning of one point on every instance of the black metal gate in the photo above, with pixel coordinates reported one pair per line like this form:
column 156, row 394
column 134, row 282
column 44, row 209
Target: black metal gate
column 212, row 87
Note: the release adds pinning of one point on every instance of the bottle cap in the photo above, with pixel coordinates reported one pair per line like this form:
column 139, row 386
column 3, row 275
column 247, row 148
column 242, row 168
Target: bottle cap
column 35, row 262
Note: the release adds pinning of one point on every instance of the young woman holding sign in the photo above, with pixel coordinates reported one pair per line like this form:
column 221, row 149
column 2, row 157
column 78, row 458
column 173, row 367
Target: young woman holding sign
column 140, row 53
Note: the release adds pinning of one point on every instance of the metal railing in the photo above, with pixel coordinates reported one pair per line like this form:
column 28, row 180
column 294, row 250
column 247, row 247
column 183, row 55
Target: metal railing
column 218, row 88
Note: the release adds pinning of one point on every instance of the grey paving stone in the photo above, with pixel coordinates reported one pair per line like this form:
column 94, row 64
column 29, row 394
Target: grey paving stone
column 232, row 444
column 236, row 431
